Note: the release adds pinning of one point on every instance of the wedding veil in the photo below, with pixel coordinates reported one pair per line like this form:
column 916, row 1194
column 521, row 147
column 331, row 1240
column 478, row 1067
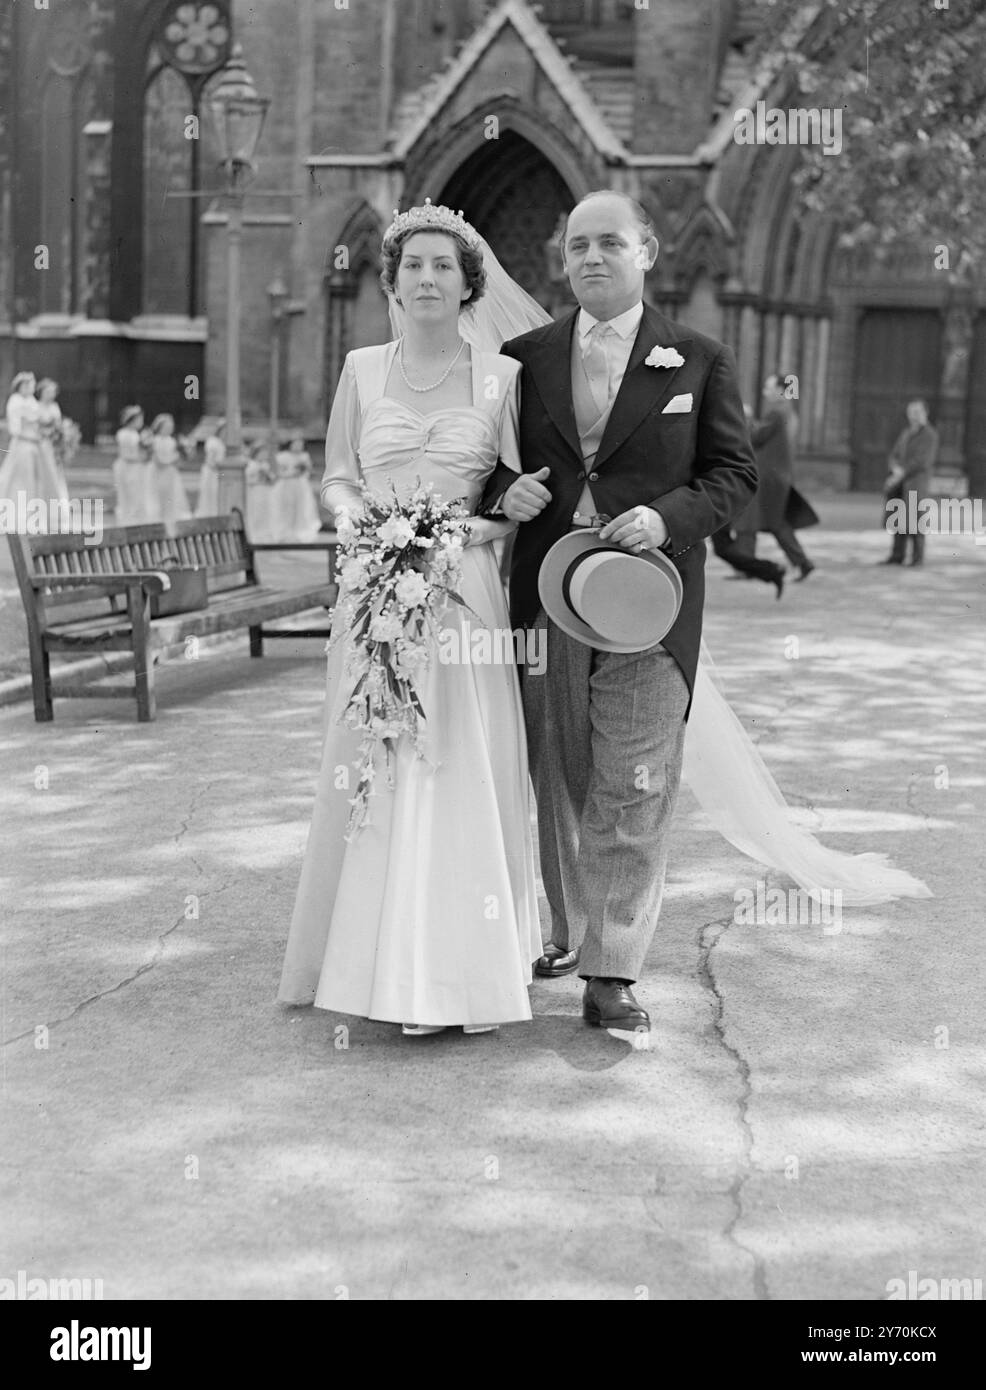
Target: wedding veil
column 722, row 766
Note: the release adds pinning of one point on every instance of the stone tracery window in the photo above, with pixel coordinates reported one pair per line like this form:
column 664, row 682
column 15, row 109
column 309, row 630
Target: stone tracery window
column 192, row 41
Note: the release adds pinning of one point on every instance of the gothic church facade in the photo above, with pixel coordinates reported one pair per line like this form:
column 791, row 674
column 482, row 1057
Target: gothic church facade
column 506, row 110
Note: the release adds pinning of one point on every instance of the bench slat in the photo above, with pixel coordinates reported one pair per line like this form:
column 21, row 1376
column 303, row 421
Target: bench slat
column 88, row 639
column 252, row 606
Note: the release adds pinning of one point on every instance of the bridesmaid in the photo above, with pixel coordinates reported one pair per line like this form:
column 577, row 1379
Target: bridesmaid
column 169, row 498
column 215, row 455
column 259, row 480
column 27, row 471
column 132, row 471
column 295, row 510
column 50, row 422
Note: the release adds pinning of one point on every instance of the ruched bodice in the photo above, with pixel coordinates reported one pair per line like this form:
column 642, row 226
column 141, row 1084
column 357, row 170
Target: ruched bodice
column 377, row 439
column 454, row 449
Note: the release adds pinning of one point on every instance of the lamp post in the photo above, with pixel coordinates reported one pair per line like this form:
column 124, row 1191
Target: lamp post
column 238, row 114
column 277, row 293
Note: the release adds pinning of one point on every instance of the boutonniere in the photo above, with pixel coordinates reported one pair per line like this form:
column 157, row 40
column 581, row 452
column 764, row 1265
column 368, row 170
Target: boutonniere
column 664, row 357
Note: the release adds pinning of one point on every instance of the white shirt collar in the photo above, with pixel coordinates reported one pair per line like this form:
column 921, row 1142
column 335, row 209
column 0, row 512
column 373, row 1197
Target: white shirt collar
column 625, row 325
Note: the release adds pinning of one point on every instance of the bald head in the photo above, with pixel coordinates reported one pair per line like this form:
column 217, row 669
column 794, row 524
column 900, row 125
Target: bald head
column 608, row 248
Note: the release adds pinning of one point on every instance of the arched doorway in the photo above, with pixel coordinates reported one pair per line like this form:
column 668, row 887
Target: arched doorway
column 514, row 196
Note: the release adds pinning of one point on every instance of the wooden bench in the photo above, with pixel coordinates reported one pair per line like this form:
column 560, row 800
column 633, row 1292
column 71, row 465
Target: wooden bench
column 109, row 586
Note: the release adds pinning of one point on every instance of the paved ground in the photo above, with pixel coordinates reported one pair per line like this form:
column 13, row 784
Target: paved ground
column 809, row 1122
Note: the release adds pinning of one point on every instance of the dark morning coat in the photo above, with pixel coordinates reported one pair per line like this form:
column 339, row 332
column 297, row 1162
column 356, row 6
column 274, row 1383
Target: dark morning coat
column 696, row 469
column 777, row 501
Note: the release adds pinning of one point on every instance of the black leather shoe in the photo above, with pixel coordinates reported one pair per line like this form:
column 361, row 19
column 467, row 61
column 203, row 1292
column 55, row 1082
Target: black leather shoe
column 777, row 579
column 806, row 569
column 555, row 962
column 609, row 1004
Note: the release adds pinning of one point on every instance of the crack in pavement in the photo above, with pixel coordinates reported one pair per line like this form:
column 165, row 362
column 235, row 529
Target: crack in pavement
column 735, row 1191
column 156, row 954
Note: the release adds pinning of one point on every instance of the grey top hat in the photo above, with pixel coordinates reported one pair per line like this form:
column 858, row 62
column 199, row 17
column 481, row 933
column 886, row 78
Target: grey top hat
column 613, row 599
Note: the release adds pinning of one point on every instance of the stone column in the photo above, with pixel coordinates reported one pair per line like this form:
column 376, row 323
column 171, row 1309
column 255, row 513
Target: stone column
column 748, row 354
column 807, row 371
column 771, row 343
column 822, row 410
column 954, row 388
column 788, row 354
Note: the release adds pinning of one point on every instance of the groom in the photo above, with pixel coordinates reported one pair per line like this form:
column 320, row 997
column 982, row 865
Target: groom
column 662, row 453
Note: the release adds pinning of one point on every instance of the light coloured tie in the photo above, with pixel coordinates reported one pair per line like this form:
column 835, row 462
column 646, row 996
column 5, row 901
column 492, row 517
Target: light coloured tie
column 597, row 366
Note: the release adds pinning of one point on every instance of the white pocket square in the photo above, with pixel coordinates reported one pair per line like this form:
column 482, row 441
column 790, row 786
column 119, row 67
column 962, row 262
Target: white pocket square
column 678, row 405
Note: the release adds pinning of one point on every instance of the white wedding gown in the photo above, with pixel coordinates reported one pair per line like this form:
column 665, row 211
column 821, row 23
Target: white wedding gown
column 429, row 914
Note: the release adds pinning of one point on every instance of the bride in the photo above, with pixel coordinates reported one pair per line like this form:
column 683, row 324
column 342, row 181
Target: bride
column 428, row 917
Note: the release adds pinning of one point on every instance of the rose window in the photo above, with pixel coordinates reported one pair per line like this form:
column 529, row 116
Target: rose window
column 196, row 37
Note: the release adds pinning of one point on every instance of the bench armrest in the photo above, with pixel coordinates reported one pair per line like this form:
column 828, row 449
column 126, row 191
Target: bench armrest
column 151, row 581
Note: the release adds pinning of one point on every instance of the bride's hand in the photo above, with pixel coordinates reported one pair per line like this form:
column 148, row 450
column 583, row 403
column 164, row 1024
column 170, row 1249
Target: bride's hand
column 483, row 529
column 350, row 513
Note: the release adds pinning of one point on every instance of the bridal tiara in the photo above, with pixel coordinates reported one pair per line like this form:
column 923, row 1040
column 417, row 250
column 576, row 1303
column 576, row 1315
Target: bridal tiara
column 431, row 217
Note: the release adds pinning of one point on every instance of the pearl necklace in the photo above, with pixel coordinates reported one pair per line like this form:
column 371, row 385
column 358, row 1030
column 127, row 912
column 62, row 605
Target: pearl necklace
column 435, row 384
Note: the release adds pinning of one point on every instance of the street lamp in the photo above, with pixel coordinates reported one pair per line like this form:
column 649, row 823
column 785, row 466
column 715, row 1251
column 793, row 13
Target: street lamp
column 277, row 293
column 238, row 115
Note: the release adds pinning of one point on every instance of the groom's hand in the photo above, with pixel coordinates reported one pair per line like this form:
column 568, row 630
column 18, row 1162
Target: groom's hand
column 527, row 497
column 641, row 528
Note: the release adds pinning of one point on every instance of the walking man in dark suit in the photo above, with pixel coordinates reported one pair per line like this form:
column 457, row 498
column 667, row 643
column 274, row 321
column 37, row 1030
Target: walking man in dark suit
column 911, row 460
column 778, row 505
column 631, row 421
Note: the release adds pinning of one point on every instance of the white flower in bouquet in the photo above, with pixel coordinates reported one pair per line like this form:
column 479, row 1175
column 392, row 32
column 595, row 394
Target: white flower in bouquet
column 345, row 525
column 439, row 563
column 410, row 660
column 386, row 627
column 396, row 531
column 376, row 679
column 354, row 573
column 411, row 589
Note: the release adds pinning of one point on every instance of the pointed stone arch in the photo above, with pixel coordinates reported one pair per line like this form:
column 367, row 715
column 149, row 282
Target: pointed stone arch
column 515, row 196
column 444, row 149
column 360, row 233
column 703, row 248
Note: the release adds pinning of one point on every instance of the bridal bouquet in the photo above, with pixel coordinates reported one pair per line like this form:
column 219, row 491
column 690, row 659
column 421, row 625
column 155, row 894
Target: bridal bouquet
column 400, row 563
